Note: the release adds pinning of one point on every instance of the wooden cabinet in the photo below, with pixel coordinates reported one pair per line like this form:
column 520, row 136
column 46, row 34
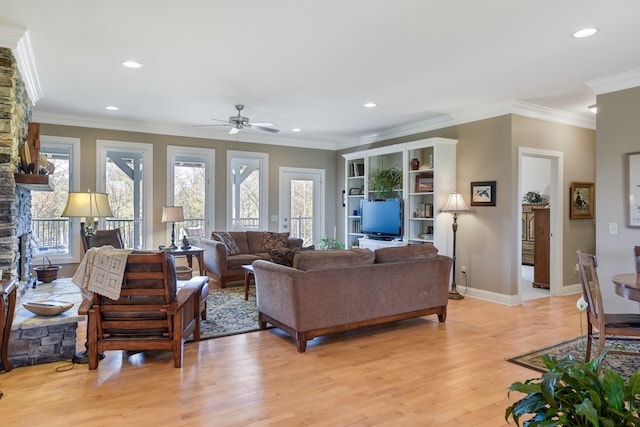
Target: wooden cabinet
column 528, row 237
column 541, row 255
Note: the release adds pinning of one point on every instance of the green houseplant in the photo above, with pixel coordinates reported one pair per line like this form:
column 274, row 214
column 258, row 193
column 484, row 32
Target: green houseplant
column 574, row 393
column 384, row 181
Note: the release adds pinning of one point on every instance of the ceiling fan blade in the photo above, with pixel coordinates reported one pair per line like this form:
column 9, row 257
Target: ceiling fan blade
column 208, row 126
column 272, row 130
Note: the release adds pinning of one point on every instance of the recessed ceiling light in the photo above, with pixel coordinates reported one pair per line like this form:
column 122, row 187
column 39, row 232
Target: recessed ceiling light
column 296, row 130
column 593, row 108
column 585, row 32
column 131, row 64
column 111, row 108
column 370, row 105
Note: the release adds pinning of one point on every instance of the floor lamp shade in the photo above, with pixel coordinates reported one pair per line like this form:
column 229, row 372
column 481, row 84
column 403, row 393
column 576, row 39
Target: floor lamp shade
column 87, row 205
column 454, row 205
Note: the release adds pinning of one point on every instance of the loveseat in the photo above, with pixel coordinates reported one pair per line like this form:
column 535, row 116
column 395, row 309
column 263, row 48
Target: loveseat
column 333, row 291
column 226, row 252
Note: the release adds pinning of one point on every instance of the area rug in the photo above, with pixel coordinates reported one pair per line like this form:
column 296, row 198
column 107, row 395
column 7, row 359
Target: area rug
column 625, row 365
column 229, row 314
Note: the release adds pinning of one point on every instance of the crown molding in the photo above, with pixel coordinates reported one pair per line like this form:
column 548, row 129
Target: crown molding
column 17, row 39
column 472, row 115
column 163, row 129
column 615, row 82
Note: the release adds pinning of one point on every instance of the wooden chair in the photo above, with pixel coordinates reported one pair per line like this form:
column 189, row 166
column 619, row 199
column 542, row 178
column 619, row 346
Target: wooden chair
column 608, row 325
column 105, row 237
column 636, row 254
column 150, row 313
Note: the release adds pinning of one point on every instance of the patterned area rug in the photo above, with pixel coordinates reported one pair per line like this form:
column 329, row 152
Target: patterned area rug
column 625, row 365
column 229, row 314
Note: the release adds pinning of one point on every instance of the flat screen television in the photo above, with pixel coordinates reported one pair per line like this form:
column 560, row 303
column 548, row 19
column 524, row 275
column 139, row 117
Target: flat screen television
column 381, row 219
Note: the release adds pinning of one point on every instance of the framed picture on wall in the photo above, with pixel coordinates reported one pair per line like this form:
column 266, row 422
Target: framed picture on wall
column 633, row 188
column 582, row 200
column 483, row 193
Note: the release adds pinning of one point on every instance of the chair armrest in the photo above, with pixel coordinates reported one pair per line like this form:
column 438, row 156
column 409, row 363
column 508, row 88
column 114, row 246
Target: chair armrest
column 190, row 289
column 85, row 306
column 294, row 242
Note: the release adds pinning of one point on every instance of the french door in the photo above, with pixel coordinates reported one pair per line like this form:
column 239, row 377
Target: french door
column 302, row 200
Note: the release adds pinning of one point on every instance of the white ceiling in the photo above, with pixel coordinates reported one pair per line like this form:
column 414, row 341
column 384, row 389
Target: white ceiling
column 313, row 64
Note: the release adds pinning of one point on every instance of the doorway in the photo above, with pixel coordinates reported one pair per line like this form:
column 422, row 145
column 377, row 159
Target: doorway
column 302, row 203
column 540, row 171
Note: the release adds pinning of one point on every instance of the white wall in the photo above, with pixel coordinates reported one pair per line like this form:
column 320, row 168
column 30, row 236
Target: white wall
column 536, row 173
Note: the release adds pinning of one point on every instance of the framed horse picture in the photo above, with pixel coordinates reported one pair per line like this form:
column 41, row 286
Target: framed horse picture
column 582, row 200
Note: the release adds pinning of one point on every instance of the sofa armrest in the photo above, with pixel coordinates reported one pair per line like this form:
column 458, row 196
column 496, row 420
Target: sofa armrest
column 294, row 242
column 215, row 256
column 276, row 294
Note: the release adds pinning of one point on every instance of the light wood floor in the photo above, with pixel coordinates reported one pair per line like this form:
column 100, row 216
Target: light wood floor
column 415, row 373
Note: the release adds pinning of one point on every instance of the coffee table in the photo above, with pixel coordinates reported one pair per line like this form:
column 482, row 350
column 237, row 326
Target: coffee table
column 248, row 274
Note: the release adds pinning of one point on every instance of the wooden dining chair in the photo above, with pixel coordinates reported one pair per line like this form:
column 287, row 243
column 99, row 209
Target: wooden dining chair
column 636, row 254
column 607, row 324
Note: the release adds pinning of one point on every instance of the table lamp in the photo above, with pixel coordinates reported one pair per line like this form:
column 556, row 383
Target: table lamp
column 173, row 214
column 88, row 207
column 455, row 204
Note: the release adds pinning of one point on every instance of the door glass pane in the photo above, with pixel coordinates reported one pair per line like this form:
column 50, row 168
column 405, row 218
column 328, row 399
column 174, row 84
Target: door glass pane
column 302, row 210
column 49, row 230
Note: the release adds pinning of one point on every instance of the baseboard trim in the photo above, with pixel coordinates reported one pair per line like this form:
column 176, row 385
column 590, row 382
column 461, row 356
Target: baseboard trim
column 513, row 300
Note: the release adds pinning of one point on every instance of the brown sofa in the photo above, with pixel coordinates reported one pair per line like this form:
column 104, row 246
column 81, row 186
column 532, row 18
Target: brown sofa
column 334, row 291
column 251, row 246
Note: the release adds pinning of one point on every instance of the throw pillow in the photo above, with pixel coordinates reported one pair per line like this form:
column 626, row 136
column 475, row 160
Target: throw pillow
column 285, row 256
column 229, row 243
column 272, row 240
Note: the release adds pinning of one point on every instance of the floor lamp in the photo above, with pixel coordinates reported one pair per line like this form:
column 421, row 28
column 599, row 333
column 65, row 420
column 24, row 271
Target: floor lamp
column 455, row 204
column 172, row 214
column 88, row 207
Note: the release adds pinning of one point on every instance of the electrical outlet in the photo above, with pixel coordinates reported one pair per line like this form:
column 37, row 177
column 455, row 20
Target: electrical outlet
column 463, row 269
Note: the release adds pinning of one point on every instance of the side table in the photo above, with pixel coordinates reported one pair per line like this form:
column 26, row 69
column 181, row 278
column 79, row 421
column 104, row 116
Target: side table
column 248, row 274
column 190, row 253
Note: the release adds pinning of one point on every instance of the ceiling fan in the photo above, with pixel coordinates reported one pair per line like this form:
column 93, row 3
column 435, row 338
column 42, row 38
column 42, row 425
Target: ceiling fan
column 239, row 122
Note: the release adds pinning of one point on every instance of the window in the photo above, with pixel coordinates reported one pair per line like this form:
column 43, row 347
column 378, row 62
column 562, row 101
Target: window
column 124, row 172
column 247, row 190
column 191, row 185
column 57, row 238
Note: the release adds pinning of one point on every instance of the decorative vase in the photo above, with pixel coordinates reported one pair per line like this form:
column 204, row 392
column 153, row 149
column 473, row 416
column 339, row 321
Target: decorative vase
column 48, row 273
column 415, row 164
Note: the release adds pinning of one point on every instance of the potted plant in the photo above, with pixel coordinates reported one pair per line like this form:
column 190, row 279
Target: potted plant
column 386, row 180
column 574, row 393
column 327, row 244
column 47, row 273
column 532, row 197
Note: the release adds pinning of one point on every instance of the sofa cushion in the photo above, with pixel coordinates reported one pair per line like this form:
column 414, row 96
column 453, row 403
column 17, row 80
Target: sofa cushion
column 405, row 253
column 285, row 256
column 325, row 260
column 271, row 240
column 236, row 262
column 229, row 242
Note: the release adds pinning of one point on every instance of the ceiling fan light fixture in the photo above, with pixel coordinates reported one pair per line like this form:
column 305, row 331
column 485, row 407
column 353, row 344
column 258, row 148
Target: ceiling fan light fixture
column 296, row 130
column 234, row 130
column 370, row 105
column 111, row 108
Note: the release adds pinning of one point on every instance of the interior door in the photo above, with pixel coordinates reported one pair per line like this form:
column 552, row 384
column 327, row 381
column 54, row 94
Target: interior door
column 302, row 203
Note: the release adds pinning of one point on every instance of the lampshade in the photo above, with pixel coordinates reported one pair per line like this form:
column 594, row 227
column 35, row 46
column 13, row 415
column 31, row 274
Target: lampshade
column 172, row 214
column 455, row 203
column 87, row 205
